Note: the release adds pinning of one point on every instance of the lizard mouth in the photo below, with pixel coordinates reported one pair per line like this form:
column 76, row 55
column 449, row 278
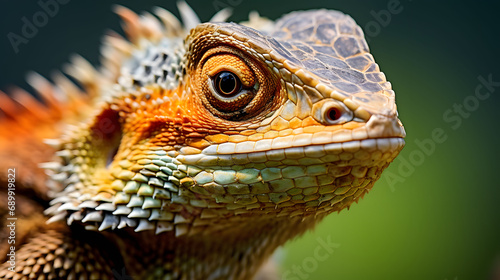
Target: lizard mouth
column 362, row 150
column 375, row 140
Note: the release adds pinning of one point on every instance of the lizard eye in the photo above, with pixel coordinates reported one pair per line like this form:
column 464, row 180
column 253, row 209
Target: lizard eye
column 227, row 93
column 227, row 84
column 233, row 86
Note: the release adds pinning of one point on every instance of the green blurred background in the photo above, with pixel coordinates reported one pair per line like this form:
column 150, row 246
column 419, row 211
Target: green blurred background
column 435, row 213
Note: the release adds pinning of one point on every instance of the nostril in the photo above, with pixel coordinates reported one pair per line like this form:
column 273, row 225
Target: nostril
column 333, row 114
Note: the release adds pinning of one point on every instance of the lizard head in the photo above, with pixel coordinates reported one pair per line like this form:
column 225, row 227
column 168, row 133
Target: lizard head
column 233, row 125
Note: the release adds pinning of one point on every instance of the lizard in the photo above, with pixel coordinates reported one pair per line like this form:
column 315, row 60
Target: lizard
column 196, row 150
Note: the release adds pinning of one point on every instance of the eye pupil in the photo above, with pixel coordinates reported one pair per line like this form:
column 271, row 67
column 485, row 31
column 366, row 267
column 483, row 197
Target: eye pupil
column 334, row 114
column 227, row 84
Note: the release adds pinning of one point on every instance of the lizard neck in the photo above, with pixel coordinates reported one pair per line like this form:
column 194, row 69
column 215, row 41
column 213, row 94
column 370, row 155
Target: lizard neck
column 230, row 253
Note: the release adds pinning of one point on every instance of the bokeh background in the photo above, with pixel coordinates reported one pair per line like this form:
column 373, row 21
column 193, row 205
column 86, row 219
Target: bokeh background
column 435, row 213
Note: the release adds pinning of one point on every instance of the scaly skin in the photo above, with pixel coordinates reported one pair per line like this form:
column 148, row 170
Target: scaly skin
column 173, row 170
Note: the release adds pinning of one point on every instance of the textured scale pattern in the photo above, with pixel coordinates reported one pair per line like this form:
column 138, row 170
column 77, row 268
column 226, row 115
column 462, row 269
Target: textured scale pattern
column 162, row 176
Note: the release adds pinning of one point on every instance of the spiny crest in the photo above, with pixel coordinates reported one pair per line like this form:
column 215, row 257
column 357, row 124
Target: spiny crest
column 63, row 96
column 152, row 52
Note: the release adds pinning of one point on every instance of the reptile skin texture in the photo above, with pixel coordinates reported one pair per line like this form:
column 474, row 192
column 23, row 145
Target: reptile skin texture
column 196, row 149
